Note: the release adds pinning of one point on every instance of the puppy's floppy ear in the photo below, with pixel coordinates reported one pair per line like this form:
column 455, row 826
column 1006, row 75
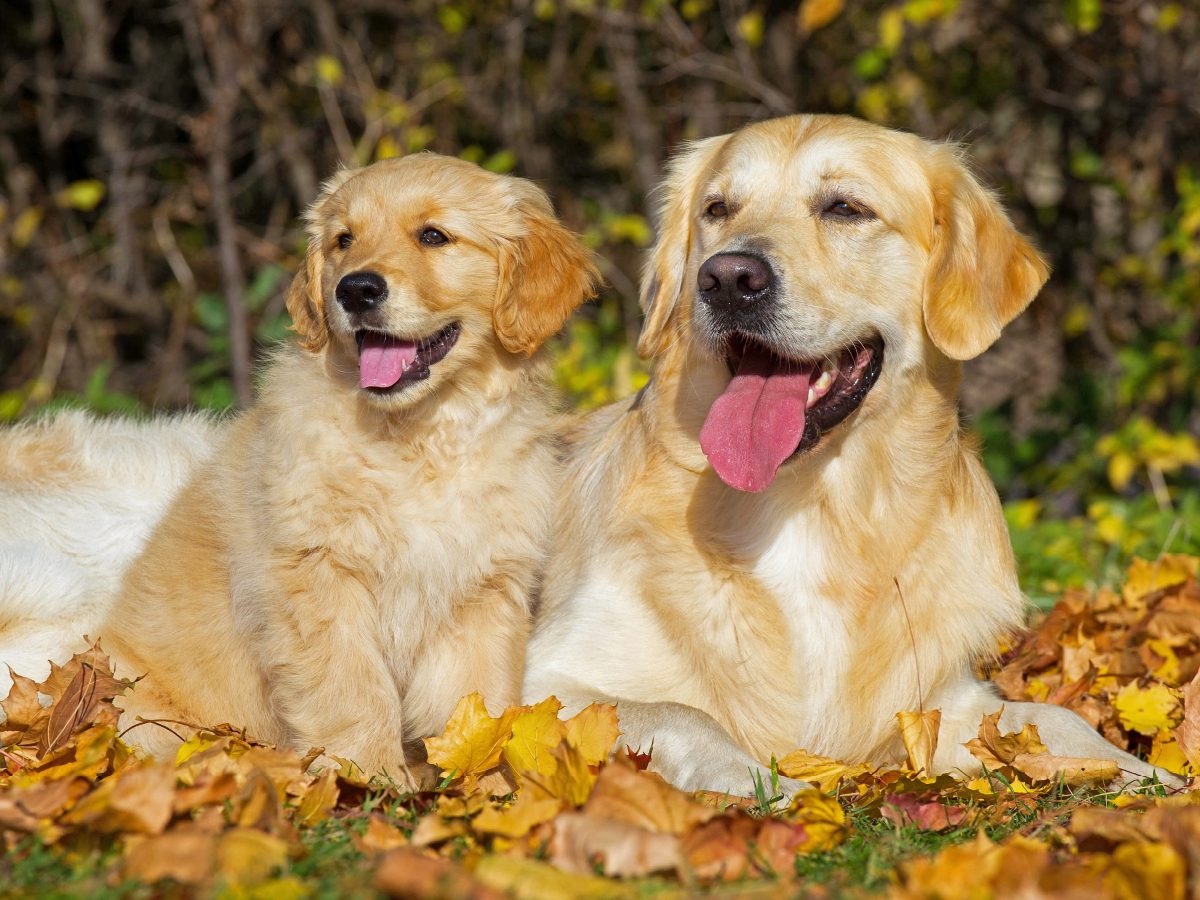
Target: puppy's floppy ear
column 544, row 275
column 666, row 266
column 982, row 273
column 306, row 300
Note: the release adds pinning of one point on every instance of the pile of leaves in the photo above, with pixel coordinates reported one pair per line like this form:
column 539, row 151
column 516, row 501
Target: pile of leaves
column 529, row 805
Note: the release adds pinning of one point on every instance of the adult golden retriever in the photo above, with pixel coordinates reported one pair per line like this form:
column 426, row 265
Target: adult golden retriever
column 359, row 550
column 729, row 541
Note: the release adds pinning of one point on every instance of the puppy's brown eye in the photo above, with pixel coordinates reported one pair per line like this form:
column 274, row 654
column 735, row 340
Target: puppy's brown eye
column 717, row 210
column 431, row 237
column 344, row 241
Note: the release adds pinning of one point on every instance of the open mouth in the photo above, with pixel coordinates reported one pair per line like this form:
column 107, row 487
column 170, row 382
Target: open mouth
column 776, row 408
column 388, row 363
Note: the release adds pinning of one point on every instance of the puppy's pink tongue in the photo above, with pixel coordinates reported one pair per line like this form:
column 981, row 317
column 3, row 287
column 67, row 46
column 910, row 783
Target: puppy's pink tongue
column 382, row 360
column 757, row 423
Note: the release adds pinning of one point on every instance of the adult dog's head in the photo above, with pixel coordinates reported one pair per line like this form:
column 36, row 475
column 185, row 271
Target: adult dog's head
column 812, row 265
column 420, row 267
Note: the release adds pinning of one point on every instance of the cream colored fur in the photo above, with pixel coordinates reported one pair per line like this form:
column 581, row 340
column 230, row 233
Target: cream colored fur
column 731, row 627
column 79, row 496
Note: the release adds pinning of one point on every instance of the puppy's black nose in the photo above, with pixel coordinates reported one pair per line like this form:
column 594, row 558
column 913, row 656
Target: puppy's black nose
column 733, row 282
column 361, row 292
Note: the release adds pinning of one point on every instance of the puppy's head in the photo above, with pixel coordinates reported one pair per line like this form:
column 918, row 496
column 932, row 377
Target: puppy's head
column 813, row 261
column 417, row 268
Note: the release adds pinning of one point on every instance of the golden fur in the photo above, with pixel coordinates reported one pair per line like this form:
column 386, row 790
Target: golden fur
column 731, row 627
column 350, row 562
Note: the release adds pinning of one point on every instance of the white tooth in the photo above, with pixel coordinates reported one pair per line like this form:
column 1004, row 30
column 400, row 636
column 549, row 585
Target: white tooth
column 824, row 381
column 812, row 397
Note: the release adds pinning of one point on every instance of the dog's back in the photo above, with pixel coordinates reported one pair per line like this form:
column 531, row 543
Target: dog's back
column 79, row 497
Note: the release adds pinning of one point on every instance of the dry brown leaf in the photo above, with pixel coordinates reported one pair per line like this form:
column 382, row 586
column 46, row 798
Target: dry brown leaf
column 919, row 731
column 380, row 837
column 140, row 800
column 719, row 850
column 186, row 855
column 26, row 718
column 1071, row 771
column 408, row 874
column 433, row 829
column 1147, row 870
column 249, row 856
column 519, row 819
column 994, row 749
column 622, row 850
column 1146, row 576
column 823, row 819
column 644, row 799
column 473, row 740
column 1187, row 733
column 320, row 800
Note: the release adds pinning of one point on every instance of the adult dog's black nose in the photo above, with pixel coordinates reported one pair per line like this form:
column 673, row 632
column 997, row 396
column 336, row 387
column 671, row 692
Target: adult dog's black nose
column 361, row 292
column 733, row 282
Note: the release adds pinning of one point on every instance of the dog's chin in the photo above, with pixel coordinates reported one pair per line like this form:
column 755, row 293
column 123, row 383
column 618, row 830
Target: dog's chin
column 399, row 371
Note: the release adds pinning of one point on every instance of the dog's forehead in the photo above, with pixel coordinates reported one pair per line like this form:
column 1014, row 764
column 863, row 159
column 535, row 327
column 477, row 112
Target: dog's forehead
column 813, row 153
column 447, row 192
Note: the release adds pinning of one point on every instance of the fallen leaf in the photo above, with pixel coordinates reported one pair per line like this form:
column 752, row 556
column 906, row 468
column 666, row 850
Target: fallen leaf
column 626, row 794
column 184, row 855
column 536, row 732
column 823, row 818
column 1145, row 576
column 1147, row 870
column 928, row 814
column 1187, row 734
column 248, row 856
column 473, row 741
column 571, row 779
column 720, row 849
column 139, row 800
column 825, row 773
column 519, row 819
column 410, row 875
column 994, row 749
column 593, row 731
column 1147, row 710
column 1069, row 770
column 433, row 829
column 380, row 837
column 527, row 879
column 319, row 801
column 919, row 731
column 620, row 849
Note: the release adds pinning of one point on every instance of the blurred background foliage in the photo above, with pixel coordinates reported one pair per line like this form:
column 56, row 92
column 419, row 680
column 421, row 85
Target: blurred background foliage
column 154, row 155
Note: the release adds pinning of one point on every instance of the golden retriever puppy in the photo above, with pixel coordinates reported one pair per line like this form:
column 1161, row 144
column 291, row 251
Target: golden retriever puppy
column 359, row 550
column 729, row 542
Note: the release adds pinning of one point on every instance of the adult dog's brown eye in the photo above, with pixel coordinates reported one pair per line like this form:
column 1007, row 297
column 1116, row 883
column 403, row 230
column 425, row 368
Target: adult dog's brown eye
column 717, row 210
column 345, row 240
column 431, row 237
column 841, row 208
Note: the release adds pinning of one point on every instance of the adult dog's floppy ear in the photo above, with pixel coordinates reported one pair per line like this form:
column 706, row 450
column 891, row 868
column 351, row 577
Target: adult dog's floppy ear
column 667, row 265
column 544, row 275
column 982, row 273
column 306, row 299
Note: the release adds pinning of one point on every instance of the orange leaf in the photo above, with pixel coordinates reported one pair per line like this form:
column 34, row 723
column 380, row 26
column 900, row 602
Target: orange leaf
column 594, row 732
column 919, row 731
column 473, row 740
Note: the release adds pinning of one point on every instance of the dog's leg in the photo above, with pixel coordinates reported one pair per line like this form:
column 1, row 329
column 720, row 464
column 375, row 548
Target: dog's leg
column 967, row 701
column 329, row 680
column 691, row 749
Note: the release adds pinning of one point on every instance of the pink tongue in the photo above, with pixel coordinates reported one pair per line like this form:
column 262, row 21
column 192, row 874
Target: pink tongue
column 757, row 423
column 382, row 360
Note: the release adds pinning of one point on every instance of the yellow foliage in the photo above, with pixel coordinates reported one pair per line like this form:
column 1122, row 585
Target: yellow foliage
column 1147, row 711
column 473, row 740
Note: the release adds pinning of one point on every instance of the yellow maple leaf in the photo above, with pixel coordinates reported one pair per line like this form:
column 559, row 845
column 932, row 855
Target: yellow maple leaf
column 519, row 819
column 473, row 740
column 919, row 731
column 1166, row 752
column 1147, row 711
column 593, row 732
column 1147, row 576
column 823, row 818
column 822, row 771
column 535, row 734
column 571, row 779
